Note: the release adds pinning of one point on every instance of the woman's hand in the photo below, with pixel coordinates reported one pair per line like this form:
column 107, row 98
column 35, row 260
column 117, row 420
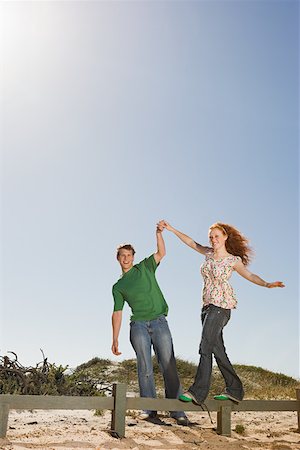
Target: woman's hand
column 275, row 284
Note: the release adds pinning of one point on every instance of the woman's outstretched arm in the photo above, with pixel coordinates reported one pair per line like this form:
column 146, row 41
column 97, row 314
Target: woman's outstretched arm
column 184, row 238
column 244, row 272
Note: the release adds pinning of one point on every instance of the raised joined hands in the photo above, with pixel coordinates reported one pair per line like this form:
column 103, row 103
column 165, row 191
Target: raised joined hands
column 164, row 224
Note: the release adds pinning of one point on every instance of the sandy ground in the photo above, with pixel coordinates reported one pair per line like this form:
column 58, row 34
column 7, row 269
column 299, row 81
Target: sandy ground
column 66, row 430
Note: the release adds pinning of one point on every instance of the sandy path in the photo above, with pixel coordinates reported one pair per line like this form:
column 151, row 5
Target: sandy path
column 66, row 430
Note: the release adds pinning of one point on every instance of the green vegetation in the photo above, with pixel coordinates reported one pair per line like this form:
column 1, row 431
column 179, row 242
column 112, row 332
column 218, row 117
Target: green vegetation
column 95, row 363
column 47, row 379
column 240, row 429
column 96, row 376
column 263, row 384
column 259, row 383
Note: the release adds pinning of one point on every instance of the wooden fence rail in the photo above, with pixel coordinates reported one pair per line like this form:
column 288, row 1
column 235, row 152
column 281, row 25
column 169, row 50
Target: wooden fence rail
column 119, row 403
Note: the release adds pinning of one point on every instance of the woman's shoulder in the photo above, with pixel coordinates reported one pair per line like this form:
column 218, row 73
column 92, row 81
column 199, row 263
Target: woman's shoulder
column 231, row 259
column 236, row 258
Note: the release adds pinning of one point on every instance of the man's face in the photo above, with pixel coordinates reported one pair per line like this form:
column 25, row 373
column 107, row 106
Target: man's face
column 125, row 259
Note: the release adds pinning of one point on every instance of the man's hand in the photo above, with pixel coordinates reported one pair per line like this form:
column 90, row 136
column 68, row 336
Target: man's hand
column 115, row 348
column 116, row 325
column 159, row 228
column 161, row 248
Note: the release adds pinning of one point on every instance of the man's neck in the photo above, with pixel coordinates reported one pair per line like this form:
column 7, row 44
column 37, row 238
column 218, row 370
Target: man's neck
column 126, row 270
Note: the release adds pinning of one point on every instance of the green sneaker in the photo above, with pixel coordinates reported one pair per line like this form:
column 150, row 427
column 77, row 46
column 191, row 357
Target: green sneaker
column 221, row 397
column 226, row 397
column 185, row 398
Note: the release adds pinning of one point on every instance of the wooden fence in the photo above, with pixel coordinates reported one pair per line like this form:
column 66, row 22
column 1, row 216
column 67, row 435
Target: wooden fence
column 119, row 403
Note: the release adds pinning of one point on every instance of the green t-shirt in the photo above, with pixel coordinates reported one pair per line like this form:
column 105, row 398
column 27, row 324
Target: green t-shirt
column 139, row 288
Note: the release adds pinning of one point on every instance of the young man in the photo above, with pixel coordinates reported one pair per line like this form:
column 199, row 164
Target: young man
column 148, row 327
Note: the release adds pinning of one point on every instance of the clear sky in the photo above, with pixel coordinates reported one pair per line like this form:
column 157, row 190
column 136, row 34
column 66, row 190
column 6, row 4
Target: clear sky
column 115, row 115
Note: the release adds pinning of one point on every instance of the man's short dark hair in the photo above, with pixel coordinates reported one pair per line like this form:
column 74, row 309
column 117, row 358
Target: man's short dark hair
column 126, row 247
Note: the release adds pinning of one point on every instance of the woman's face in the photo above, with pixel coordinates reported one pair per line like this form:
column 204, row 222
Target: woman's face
column 217, row 238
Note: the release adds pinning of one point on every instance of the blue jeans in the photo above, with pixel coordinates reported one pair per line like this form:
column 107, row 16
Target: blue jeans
column 214, row 320
column 156, row 333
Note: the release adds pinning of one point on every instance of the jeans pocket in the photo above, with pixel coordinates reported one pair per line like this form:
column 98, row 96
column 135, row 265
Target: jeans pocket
column 227, row 314
column 162, row 319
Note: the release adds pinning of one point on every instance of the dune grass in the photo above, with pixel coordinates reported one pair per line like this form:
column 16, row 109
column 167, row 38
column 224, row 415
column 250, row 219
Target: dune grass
column 259, row 383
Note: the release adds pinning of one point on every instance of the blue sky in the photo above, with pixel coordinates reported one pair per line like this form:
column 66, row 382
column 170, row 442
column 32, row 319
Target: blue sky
column 118, row 114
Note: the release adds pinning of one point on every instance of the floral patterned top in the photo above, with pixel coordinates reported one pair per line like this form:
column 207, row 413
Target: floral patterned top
column 216, row 273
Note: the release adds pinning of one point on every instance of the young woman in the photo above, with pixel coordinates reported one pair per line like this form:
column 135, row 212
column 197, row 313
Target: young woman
column 229, row 251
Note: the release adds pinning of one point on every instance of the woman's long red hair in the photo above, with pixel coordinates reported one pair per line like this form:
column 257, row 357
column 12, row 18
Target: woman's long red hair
column 236, row 244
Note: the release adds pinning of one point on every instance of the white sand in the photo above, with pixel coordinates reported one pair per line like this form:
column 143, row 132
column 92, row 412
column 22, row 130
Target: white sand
column 66, row 430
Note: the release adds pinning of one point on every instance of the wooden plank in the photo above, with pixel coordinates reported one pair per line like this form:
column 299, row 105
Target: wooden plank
column 266, row 405
column 119, row 411
column 56, row 402
column 162, row 404
column 4, row 410
column 165, row 404
column 224, row 421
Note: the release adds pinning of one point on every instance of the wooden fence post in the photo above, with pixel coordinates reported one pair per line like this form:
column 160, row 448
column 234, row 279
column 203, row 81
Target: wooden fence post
column 298, row 412
column 224, row 421
column 4, row 410
column 119, row 411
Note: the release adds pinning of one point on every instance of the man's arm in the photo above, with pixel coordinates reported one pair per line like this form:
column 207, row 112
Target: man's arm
column 116, row 325
column 161, row 248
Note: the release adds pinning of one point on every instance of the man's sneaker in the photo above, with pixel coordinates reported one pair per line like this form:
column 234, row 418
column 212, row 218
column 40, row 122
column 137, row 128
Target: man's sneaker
column 146, row 415
column 183, row 421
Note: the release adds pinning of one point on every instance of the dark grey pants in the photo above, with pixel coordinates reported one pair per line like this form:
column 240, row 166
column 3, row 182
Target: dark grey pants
column 214, row 320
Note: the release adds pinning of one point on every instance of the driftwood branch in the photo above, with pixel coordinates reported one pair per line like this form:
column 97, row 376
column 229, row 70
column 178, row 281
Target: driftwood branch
column 46, row 379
